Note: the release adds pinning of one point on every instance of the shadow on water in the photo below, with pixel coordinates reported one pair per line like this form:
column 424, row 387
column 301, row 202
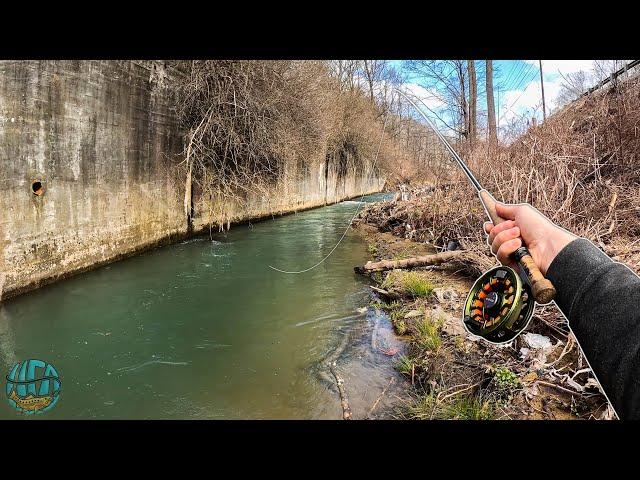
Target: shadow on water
column 204, row 329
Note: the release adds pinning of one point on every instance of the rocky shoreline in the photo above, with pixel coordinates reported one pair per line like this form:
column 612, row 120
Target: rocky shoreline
column 542, row 374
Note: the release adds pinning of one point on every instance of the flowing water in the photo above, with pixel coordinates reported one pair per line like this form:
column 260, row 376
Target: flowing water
column 205, row 329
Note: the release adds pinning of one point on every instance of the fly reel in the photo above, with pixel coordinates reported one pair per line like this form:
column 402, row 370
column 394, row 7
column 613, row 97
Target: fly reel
column 499, row 305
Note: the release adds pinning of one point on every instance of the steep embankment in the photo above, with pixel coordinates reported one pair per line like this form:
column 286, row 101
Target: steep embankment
column 581, row 168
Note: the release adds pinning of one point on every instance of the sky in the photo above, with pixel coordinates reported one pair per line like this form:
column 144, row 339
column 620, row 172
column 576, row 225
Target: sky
column 516, row 84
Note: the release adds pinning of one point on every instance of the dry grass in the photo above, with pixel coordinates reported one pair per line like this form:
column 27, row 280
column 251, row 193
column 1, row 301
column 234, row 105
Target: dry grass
column 581, row 168
column 413, row 284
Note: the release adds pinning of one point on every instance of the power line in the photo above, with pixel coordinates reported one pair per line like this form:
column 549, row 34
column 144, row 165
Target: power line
column 510, row 75
column 519, row 96
column 522, row 79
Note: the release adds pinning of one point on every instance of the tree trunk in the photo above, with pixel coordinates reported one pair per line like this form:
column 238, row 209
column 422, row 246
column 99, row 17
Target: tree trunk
column 473, row 101
column 463, row 101
column 491, row 108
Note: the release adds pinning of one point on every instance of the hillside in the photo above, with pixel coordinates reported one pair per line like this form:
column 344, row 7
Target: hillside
column 581, row 169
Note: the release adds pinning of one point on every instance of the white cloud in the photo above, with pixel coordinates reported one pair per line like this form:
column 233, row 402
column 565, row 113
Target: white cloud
column 552, row 67
column 430, row 97
column 527, row 102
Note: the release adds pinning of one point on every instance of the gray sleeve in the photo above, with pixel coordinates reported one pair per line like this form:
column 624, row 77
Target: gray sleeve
column 601, row 300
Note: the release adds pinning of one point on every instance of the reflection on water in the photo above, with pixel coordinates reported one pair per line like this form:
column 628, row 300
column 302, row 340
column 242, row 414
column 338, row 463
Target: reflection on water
column 204, row 329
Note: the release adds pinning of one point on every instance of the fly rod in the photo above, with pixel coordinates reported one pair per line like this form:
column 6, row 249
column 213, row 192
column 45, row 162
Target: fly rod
column 542, row 289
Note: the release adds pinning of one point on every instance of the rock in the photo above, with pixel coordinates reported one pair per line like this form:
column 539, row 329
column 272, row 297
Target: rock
column 541, row 347
column 443, row 293
column 537, row 342
column 453, row 326
column 413, row 314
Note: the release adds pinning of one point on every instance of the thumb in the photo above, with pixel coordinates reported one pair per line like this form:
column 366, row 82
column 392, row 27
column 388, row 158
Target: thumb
column 508, row 212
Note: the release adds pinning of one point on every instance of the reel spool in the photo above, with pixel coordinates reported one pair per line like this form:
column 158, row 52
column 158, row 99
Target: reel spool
column 499, row 306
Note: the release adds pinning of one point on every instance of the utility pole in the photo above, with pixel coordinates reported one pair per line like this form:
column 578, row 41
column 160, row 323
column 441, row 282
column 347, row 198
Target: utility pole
column 544, row 108
column 498, row 110
column 491, row 109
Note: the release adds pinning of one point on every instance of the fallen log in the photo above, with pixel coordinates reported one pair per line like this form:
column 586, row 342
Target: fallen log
column 330, row 361
column 413, row 262
column 344, row 401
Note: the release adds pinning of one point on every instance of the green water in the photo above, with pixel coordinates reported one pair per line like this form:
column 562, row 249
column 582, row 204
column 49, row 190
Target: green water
column 204, row 329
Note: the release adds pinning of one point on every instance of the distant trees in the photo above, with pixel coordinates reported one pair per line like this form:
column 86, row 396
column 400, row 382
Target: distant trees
column 374, row 72
column 603, row 68
column 460, row 88
column 447, row 79
column 346, row 71
column 576, row 83
column 456, row 84
column 374, row 77
column 573, row 85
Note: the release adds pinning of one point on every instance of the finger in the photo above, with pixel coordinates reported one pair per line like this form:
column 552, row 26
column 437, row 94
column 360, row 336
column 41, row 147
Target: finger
column 487, row 226
column 506, row 249
column 503, row 237
column 501, row 227
column 508, row 212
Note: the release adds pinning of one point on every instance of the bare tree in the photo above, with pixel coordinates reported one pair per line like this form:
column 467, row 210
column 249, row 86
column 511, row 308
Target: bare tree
column 447, row 79
column 604, row 68
column 374, row 71
column 491, row 108
column 346, row 71
column 573, row 85
column 473, row 101
column 391, row 78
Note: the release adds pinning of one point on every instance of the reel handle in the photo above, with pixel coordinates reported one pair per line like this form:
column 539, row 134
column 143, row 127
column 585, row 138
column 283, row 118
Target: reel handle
column 542, row 289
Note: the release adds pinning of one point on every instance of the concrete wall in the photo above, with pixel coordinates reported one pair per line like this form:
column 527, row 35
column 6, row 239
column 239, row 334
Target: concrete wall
column 317, row 186
column 102, row 139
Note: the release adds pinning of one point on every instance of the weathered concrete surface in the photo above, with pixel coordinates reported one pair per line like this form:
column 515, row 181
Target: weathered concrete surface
column 98, row 135
column 317, row 186
column 103, row 139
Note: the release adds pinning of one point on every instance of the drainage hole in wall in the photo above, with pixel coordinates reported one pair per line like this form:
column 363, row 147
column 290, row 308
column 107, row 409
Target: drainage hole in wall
column 38, row 188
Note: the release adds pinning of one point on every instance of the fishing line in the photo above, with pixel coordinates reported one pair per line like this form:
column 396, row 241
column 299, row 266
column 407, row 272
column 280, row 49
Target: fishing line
column 375, row 160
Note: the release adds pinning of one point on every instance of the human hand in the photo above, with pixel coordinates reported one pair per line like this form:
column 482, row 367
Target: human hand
column 543, row 238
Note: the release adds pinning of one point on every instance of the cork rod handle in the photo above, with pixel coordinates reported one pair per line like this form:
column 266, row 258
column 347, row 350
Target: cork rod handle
column 542, row 289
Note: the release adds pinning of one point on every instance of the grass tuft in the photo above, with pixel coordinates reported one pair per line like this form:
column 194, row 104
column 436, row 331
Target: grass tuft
column 409, row 283
column 428, row 334
column 473, row 407
column 405, row 365
column 466, row 407
column 424, row 408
